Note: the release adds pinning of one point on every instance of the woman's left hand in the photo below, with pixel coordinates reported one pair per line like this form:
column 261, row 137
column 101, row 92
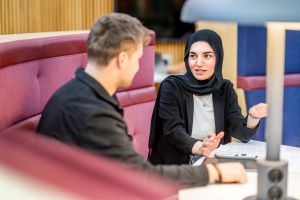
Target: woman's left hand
column 258, row 111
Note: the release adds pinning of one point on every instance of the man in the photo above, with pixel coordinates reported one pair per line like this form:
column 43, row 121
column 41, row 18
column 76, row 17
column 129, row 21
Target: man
column 85, row 112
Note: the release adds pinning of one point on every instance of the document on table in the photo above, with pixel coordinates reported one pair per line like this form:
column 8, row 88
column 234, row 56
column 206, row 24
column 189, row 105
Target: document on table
column 258, row 148
column 239, row 150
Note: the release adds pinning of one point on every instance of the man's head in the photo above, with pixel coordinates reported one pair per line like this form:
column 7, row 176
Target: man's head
column 120, row 37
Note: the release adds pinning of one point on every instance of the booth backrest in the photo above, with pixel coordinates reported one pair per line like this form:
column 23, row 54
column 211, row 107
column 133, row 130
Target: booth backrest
column 73, row 171
column 252, row 77
column 32, row 69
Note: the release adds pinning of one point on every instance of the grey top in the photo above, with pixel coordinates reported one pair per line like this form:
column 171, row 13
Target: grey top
column 203, row 117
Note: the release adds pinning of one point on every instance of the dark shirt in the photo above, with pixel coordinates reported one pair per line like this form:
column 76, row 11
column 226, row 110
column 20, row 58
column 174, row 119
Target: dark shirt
column 82, row 113
column 172, row 121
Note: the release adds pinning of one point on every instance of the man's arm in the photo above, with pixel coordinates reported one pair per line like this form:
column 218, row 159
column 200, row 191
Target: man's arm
column 107, row 135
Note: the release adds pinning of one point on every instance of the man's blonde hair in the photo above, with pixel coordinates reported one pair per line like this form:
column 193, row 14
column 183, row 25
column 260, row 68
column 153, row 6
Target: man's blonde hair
column 112, row 34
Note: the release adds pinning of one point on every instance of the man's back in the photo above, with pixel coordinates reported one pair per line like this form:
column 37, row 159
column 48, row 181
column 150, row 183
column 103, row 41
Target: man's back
column 82, row 113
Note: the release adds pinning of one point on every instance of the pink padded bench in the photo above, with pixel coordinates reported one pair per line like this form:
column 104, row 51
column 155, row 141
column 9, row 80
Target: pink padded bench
column 32, row 69
column 76, row 172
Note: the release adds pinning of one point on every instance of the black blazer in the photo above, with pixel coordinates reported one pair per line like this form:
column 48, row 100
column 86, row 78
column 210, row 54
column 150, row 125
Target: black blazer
column 172, row 121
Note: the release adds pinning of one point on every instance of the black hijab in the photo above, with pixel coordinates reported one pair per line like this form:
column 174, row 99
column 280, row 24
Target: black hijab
column 188, row 81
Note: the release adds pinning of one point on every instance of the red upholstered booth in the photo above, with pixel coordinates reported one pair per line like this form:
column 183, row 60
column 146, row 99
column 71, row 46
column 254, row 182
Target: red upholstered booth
column 32, row 69
column 75, row 172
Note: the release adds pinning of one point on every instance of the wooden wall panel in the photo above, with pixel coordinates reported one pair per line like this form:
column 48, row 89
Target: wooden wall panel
column 13, row 22
column 23, row 16
column 174, row 48
column 34, row 16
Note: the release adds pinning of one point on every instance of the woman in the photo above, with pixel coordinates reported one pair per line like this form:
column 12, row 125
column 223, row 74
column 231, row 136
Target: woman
column 191, row 108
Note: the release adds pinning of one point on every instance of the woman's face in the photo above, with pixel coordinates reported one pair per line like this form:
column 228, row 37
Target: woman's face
column 202, row 60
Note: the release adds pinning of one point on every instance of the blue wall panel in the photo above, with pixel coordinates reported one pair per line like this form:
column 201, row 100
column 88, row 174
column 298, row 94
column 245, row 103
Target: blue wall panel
column 291, row 114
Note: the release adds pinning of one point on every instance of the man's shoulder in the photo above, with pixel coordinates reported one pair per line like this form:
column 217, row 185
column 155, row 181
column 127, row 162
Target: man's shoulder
column 72, row 98
column 74, row 93
column 69, row 88
column 76, row 103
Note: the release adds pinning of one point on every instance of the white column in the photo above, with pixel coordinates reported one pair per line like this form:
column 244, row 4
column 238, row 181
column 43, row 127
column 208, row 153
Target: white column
column 275, row 87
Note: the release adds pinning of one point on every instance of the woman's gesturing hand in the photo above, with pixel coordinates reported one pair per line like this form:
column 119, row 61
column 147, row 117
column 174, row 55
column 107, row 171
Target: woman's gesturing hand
column 210, row 143
column 258, row 111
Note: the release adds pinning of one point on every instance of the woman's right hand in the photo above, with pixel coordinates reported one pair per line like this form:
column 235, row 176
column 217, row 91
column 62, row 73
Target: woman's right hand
column 210, row 143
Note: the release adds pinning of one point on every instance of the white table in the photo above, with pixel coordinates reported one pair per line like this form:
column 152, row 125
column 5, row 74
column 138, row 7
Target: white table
column 240, row 191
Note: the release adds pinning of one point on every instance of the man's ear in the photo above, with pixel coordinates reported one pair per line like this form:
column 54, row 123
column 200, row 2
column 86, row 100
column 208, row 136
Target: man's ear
column 122, row 59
